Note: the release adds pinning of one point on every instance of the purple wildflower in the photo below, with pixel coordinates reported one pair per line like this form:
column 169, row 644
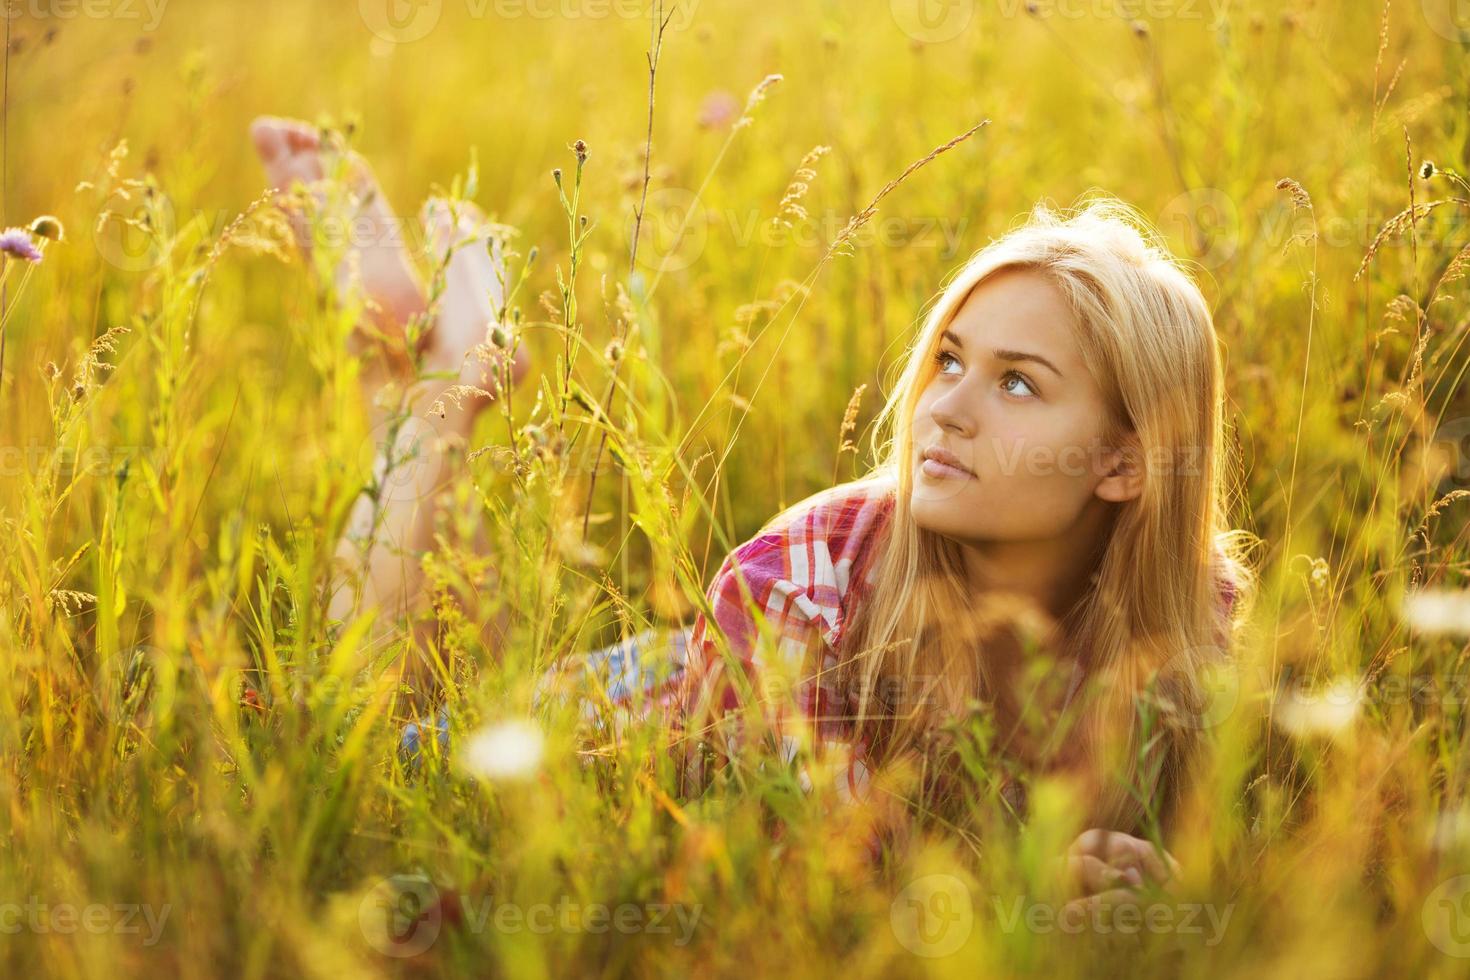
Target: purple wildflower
column 16, row 242
column 719, row 109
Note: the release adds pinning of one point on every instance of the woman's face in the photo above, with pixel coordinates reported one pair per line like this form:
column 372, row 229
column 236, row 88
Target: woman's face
column 1014, row 403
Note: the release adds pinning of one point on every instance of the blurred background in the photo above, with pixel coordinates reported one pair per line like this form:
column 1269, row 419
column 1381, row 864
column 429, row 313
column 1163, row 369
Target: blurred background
column 174, row 725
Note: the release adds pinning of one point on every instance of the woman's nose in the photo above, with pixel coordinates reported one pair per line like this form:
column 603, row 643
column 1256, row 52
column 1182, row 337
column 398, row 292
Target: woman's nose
column 951, row 414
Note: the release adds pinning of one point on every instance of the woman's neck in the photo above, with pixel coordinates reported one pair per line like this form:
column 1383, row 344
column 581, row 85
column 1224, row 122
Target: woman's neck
column 1053, row 572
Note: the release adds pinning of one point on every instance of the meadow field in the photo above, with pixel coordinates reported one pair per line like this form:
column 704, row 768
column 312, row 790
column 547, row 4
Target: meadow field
column 201, row 773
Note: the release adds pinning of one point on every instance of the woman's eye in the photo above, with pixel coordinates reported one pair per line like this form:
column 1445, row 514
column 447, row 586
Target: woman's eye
column 1012, row 378
column 944, row 358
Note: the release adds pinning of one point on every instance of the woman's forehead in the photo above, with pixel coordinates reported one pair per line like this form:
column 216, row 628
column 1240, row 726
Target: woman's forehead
column 1019, row 309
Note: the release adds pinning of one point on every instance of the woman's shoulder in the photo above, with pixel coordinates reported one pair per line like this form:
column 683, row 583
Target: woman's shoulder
column 836, row 525
column 809, row 553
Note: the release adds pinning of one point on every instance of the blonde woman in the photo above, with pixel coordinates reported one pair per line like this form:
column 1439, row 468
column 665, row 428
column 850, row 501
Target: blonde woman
column 1051, row 490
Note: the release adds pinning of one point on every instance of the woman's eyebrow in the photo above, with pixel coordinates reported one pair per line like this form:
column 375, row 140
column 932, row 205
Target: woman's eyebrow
column 1006, row 355
column 1019, row 355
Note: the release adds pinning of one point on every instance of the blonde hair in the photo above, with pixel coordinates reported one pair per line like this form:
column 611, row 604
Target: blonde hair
column 1148, row 338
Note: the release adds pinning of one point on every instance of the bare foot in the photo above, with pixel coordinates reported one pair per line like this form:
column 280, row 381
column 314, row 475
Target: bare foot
column 376, row 260
column 474, row 291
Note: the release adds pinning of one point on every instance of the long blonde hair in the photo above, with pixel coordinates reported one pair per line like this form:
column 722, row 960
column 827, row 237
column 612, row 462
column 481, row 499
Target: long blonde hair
column 1153, row 616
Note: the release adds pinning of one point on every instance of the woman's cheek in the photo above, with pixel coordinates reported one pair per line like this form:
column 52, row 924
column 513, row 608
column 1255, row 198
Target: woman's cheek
column 1046, row 450
column 1005, row 455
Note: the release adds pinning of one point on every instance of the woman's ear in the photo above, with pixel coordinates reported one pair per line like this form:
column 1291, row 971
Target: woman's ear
column 1123, row 471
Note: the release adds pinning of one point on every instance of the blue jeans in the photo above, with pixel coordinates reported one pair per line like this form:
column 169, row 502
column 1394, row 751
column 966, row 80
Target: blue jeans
column 622, row 668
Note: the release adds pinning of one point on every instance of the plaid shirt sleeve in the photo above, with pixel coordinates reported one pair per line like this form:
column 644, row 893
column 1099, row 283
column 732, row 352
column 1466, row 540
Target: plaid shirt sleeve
column 781, row 601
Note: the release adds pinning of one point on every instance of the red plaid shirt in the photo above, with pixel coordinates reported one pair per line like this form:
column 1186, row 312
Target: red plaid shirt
column 799, row 579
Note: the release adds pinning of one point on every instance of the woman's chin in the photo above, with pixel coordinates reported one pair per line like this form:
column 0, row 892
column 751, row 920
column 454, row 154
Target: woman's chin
column 936, row 516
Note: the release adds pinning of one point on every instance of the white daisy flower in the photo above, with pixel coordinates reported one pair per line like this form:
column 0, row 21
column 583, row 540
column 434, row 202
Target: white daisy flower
column 507, row 750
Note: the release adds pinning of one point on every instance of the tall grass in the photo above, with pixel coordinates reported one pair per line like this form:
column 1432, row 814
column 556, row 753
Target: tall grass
column 188, row 741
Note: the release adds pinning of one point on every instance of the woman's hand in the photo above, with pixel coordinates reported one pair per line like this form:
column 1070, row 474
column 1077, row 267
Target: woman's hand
column 1104, row 867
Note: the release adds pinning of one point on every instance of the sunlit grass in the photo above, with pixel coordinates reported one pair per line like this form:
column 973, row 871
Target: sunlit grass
column 186, row 736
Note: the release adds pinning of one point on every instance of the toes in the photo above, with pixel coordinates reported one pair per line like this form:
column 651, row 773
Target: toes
column 273, row 136
column 288, row 149
column 265, row 133
column 302, row 138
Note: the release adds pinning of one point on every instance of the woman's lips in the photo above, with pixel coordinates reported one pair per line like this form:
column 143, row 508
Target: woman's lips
column 943, row 471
